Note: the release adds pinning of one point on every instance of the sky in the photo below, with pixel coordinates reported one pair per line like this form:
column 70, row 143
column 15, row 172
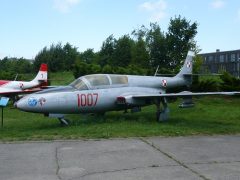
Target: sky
column 27, row 26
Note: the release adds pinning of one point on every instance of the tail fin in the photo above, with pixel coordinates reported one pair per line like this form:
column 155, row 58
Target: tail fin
column 41, row 77
column 186, row 70
column 187, row 67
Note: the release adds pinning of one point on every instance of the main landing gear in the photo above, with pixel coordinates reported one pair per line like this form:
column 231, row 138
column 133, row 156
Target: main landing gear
column 162, row 112
column 64, row 122
column 60, row 117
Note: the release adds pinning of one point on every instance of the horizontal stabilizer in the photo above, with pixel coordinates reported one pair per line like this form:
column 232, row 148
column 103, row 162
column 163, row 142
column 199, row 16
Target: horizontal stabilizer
column 213, row 74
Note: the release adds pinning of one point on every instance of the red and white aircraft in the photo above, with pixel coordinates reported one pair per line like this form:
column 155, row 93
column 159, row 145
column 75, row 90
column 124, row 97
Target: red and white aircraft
column 13, row 88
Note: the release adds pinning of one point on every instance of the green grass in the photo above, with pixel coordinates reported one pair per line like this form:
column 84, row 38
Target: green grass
column 211, row 115
column 61, row 78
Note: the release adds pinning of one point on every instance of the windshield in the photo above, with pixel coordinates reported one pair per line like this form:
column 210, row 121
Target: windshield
column 97, row 80
column 79, row 84
column 118, row 79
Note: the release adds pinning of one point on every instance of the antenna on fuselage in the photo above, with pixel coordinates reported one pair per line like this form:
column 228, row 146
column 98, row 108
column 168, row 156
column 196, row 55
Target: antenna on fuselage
column 155, row 74
column 16, row 77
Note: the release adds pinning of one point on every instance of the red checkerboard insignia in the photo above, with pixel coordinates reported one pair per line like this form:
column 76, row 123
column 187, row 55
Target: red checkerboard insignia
column 164, row 82
column 188, row 64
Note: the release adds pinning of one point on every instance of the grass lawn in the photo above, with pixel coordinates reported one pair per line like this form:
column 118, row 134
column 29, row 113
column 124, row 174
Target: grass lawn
column 211, row 115
column 61, row 78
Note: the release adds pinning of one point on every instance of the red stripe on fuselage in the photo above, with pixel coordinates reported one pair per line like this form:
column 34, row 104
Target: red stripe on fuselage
column 2, row 82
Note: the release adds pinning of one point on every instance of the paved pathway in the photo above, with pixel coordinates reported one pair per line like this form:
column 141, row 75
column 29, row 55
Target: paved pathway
column 205, row 157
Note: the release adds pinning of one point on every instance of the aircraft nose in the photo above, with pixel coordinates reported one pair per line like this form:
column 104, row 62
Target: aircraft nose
column 31, row 104
column 20, row 104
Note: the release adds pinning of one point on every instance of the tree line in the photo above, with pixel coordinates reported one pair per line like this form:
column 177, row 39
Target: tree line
column 12, row 67
column 139, row 52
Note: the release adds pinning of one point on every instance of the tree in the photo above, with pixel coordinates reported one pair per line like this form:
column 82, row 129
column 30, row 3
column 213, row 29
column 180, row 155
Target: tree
column 122, row 54
column 70, row 54
column 56, row 62
column 107, row 69
column 140, row 55
column 229, row 82
column 95, row 69
column 58, row 57
column 80, row 69
column 42, row 57
column 197, row 64
column 107, row 50
column 16, row 65
column 88, row 56
column 140, row 33
column 157, row 46
column 180, row 39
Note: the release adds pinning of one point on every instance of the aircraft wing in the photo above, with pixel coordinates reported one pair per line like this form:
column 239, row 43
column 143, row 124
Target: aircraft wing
column 138, row 98
column 10, row 92
column 48, row 87
column 184, row 94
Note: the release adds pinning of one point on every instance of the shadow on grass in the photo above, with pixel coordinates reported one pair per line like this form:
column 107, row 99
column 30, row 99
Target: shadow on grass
column 112, row 117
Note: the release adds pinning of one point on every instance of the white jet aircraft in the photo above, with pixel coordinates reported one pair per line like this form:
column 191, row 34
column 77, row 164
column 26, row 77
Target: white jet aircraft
column 14, row 88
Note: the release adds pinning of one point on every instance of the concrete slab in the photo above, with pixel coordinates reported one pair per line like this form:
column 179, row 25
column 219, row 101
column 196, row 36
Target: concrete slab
column 154, row 173
column 27, row 161
column 201, row 149
column 219, row 171
column 214, row 157
column 211, row 157
column 91, row 157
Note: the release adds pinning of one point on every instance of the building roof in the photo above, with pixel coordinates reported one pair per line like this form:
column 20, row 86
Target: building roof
column 222, row 52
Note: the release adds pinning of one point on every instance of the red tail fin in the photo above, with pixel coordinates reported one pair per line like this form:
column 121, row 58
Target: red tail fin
column 42, row 74
column 43, row 67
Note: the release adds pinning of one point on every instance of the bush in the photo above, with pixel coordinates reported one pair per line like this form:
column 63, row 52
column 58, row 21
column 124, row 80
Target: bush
column 6, row 75
column 207, row 85
column 230, row 83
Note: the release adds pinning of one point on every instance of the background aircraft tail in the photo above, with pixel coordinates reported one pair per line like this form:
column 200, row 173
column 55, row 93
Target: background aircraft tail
column 41, row 77
column 186, row 70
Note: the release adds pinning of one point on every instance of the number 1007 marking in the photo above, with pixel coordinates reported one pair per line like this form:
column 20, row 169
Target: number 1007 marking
column 89, row 99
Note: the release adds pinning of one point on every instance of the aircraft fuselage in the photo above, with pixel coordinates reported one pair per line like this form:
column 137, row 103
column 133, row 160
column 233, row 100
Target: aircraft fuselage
column 102, row 98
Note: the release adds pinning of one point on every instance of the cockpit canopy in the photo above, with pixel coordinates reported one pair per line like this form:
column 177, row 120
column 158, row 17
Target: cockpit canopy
column 99, row 81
